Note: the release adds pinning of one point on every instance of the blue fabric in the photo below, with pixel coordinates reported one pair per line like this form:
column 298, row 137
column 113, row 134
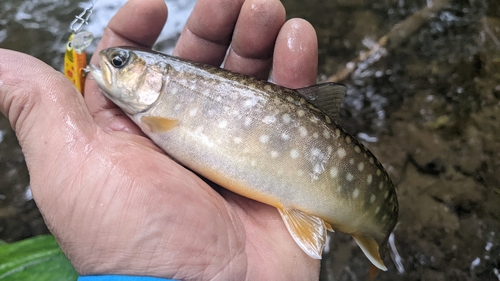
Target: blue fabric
column 120, row 278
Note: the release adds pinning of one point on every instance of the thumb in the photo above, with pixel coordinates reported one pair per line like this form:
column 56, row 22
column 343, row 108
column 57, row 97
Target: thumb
column 49, row 116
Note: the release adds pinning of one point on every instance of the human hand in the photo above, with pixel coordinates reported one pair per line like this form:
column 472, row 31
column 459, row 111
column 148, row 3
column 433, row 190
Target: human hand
column 115, row 202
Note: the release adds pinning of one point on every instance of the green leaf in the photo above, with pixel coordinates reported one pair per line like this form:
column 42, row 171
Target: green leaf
column 38, row 258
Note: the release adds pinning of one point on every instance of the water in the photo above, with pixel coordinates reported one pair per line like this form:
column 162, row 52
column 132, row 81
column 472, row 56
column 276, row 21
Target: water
column 427, row 103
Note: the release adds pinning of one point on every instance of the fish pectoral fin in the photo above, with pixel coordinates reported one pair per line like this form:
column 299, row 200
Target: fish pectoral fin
column 308, row 231
column 370, row 248
column 157, row 124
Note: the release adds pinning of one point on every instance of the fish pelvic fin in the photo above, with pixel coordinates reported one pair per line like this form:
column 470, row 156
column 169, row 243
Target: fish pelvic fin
column 370, row 248
column 157, row 124
column 308, row 231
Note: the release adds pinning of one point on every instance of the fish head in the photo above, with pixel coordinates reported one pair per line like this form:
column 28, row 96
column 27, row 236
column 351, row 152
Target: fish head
column 130, row 78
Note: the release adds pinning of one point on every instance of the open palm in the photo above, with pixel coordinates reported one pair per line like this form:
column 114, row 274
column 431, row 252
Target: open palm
column 119, row 205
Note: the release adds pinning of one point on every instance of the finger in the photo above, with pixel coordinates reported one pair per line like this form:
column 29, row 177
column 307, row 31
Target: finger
column 208, row 31
column 137, row 23
column 295, row 59
column 254, row 36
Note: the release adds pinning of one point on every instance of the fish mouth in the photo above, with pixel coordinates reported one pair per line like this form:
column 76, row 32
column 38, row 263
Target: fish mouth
column 97, row 74
column 102, row 75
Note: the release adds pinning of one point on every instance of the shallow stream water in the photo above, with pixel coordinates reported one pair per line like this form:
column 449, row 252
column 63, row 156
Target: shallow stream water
column 426, row 102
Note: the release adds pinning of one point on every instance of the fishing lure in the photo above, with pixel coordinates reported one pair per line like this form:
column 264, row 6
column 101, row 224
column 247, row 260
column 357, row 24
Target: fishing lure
column 75, row 59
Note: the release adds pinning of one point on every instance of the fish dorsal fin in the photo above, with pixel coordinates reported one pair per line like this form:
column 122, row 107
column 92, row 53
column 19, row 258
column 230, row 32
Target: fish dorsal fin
column 308, row 231
column 370, row 248
column 157, row 124
column 325, row 96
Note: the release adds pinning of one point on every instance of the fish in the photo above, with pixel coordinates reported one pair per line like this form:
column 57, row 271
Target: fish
column 279, row 146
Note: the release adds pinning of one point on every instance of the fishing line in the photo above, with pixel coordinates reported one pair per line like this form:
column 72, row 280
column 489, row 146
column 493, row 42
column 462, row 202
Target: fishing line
column 75, row 59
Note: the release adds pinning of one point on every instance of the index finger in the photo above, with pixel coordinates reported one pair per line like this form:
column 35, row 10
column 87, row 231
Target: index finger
column 137, row 23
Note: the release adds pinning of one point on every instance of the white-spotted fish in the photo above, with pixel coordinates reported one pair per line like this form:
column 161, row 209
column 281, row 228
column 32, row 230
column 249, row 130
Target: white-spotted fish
column 275, row 145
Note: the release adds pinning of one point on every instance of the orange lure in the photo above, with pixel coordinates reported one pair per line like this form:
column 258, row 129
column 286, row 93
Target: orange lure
column 74, row 65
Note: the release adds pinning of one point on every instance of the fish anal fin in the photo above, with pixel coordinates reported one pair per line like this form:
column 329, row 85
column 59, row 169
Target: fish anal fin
column 370, row 248
column 308, row 231
column 157, row 124
column 325, row 96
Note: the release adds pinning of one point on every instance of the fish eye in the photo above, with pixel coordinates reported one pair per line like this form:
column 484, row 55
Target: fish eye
column 119, row 59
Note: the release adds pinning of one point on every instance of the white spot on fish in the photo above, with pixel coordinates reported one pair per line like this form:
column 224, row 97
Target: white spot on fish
column 211, row 112
column 326, row 134
column 315, row 151
column 248, row 103
column 317, row 169
column 315, row 135
column 290, row 99
column 349, row 177
column 378, row 172
column 351, row 161
column 371, row 160
column 247, row 121
column 369, row 179
column 337, row 133
column 361, row 166
column 253, row 163
column 193, row 112
column 237, row 140
column 341, row 153
column 174, row 91
column 285, row 136
column 274, row 154
column 355, row 193
column 269, row 119
column 348, row 139
column 328, row 119
column 373, row 198
column 286, row 118
column 303, row 131
column 314, row 119
column 177, row 107
column 294, row 153
column 381, row 185
column 334, row 172
column 377, row 210
column 264, row 138
column 301, row 113
column 329, row 149
column 223, row 124
column 357, row 149
column 386, row 194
